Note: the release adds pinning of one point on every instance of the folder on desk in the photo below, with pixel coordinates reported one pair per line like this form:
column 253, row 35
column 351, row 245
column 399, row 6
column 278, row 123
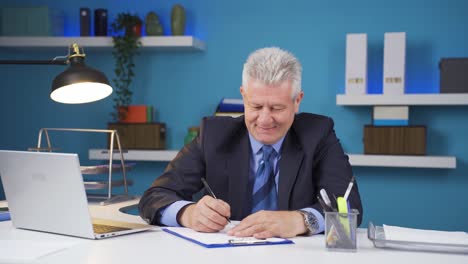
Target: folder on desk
column 4, row 214
column 221, row 239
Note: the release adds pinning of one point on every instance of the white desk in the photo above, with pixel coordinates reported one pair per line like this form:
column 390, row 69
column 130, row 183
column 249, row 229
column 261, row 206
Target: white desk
column 159, row 247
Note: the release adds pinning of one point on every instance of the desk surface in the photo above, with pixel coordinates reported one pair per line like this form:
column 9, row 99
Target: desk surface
column 157, row 246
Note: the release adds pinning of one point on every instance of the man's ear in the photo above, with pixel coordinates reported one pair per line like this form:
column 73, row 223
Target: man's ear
column 297, row 101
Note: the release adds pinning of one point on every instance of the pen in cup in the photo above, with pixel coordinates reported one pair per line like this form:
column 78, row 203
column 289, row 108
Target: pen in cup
column 325, row 207
column 348, row 191
column 211, row 193
column 326, row 199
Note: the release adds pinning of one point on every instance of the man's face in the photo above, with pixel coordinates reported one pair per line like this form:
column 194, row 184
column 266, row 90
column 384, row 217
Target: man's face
column 269, row 110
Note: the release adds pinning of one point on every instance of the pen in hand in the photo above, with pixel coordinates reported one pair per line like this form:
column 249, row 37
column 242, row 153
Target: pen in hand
column 208, row 189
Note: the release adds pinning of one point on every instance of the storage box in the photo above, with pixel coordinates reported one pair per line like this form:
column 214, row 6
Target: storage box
column 395, row 140
column 453, row 75
column 140, row 136
column 31, row 21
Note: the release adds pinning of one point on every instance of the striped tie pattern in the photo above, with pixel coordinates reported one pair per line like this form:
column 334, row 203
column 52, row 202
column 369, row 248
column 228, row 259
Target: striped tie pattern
column 264, row 193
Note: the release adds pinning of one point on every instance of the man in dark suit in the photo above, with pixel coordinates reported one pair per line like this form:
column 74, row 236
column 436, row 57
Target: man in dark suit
column 266, row 167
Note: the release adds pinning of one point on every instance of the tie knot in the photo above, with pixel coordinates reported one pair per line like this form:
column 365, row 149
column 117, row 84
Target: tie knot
column 268, row 152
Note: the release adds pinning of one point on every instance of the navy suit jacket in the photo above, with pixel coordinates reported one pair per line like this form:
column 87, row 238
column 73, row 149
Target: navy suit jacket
column 311, row 159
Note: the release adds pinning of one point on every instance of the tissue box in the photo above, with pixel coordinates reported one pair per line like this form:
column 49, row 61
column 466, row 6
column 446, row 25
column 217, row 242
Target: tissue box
column 31, row 21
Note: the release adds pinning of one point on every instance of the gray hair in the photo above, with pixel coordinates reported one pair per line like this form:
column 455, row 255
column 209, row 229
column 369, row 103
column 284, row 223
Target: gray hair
column 273, row 66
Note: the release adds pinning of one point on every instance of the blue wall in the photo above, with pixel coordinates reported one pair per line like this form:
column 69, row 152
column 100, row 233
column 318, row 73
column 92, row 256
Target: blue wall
column 184, row 86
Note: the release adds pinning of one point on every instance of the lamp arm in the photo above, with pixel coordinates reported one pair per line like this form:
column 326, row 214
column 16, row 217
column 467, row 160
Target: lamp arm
column 35, row 62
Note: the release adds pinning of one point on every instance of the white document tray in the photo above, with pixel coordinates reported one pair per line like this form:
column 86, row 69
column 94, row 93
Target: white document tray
column 377, row 236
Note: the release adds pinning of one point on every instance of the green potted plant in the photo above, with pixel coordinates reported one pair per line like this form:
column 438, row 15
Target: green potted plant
column 126, row 30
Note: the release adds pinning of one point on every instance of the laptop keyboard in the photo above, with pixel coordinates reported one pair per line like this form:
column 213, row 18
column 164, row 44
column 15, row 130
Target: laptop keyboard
column 102, row 229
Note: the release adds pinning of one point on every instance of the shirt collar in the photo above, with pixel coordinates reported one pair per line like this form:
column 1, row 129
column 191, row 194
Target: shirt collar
column 256, row 145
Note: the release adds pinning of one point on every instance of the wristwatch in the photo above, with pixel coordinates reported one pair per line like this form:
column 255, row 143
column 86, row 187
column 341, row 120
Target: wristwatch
column 310, row 222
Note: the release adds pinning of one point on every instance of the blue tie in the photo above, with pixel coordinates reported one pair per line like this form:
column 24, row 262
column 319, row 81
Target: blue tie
column 265, row 196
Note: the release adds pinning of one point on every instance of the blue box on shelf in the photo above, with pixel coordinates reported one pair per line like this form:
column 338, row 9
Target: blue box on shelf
column 31, row 21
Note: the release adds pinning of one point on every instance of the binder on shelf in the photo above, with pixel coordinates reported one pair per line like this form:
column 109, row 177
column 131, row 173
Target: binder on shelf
column 356, row 64
column 221, row 239
column 85, row 21
column 453, row 77
column 394, row 63
column 390, row 115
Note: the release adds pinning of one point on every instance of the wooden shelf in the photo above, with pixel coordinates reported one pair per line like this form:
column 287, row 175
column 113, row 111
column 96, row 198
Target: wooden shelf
column 135, row 155
column 160, row 42
column 407, row 99
column 438, row 162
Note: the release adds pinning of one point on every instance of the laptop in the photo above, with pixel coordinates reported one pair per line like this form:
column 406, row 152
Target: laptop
column 45, row 192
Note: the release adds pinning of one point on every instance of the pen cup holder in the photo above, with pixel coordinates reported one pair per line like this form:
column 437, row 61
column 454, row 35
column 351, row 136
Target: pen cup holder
column 340, row 231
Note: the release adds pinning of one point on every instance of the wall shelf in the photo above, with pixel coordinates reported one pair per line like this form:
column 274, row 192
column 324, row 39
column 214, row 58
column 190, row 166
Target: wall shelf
column 355, row 159
column 436, row 162
column 159, row 42
column 134, row 155
column 406, row 99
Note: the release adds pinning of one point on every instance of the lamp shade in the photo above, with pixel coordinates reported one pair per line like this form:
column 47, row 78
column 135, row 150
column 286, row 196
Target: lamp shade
column 79, row 84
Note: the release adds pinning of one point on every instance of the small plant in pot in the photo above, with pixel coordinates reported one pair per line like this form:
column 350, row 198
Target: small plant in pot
column 126, row 31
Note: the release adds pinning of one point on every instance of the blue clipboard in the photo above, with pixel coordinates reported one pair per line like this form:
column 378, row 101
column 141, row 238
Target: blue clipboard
column 235, row 242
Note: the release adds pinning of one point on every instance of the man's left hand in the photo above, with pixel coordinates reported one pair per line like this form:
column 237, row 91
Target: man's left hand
column 265, row 224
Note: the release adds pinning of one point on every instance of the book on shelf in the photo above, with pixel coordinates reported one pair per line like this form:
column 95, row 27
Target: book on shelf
column 390, row 115
column 138, row 114
column 231, row 114
column 230, row 105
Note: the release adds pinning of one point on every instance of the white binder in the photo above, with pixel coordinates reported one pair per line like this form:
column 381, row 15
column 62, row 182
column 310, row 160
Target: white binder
column 394, row 63
column 356, row 64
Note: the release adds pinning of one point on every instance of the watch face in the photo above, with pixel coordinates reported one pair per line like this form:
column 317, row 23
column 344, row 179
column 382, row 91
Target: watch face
column 310, row 221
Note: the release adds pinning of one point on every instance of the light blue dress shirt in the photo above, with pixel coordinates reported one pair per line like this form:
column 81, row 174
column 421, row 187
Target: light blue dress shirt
column 169, row 214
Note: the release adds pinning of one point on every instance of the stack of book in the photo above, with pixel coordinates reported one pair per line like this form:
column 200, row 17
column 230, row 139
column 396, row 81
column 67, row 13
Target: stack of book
column 230, row 107
column 138, row 114
column 390, row 115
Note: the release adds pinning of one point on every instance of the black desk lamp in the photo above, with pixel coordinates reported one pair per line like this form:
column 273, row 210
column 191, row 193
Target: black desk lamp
column 76, row 85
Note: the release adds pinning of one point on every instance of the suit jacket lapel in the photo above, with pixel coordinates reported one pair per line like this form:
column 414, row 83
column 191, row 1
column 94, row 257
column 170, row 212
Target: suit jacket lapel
column 290, row 163
column 237, row 167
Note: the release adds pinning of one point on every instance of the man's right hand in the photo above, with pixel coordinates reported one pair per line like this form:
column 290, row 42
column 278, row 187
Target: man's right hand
column 207, row 215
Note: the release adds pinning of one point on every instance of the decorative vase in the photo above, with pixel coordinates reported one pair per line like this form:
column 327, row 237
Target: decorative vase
column 178, row 20
column 153, row 25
